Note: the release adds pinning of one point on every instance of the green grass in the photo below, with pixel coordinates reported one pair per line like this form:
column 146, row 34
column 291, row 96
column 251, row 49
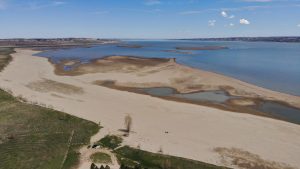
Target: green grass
column 35, row 137
column 110, row 141
column 131, row 157
column 5, row 57
column 101, row 158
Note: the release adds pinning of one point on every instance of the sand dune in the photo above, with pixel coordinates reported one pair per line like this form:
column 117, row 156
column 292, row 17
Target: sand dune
column 193, row 131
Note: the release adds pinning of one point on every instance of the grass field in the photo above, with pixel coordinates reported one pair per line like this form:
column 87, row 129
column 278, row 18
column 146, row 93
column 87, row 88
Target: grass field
column 110, row 141
column 5, row 57
column 35, row 137
column 132, row 157
column 101, row 158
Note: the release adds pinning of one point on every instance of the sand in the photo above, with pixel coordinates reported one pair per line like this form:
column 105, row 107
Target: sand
column 193, row 131
column 141, row 72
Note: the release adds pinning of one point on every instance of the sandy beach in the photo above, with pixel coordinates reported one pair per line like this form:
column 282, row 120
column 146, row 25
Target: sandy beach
column 192, row 131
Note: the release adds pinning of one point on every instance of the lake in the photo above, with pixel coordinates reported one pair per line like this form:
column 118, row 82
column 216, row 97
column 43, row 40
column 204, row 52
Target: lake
column 272, row 65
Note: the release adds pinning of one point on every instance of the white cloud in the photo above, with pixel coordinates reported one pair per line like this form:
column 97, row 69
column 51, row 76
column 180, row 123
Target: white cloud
column 298, row 25
column 152, row 2
column 212, row 22
column 58, row 3
column 244, row 22
column 244, row 8
column 229, row 25
column 225, row 15
column 34, row 5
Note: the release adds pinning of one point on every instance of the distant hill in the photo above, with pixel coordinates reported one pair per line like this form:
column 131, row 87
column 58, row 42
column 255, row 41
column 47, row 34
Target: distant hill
column 53, row 42
column 253, row 39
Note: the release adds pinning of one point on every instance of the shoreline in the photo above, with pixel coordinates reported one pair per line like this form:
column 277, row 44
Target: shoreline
column 283, row 91
column 238, row 105
column 257, row 93
column 208, row 128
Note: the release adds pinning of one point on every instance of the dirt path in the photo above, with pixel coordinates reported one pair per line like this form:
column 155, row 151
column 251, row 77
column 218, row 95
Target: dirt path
column 67, row 152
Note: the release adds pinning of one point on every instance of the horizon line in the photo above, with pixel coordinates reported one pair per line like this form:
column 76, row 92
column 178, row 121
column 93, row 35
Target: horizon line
column 281, row 36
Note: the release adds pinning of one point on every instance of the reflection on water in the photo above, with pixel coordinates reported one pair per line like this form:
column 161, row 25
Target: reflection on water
column 159, row 91
column 275, row 109
column 284, row 112
column 211, row 96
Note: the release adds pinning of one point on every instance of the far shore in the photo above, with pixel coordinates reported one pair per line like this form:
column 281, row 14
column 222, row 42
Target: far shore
column 202, row 48
column 181, row 129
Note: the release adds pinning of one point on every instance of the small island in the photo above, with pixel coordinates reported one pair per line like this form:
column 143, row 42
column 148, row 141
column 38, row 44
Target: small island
column 202, row 48
column 130, row 46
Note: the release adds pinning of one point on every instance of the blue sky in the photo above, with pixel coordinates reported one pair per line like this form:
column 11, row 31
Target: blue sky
column 148, row 18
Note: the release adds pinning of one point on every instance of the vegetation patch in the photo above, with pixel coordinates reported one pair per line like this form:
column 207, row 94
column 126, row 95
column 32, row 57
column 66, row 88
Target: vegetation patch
column 134, row 158
column 5, row 56
column 47, row 85
column 100, row 157
column 245, row 159
column 109, row 141
column 35, row 137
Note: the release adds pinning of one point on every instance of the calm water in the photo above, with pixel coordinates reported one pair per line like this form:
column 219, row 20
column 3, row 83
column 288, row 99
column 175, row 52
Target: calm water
column 159, row 91
column 274, row 109
column 211, row 96
column 284, row 112
column 271, row 65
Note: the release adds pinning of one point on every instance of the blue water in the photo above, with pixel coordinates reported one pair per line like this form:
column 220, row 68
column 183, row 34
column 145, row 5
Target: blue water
column 271, row 65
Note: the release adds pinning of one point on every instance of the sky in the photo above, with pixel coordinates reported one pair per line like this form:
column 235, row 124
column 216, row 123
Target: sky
column 149, row 19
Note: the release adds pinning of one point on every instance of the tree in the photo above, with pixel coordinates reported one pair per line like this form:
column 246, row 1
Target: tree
column 93, row 166
column 128, row 123
column 160, row 149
